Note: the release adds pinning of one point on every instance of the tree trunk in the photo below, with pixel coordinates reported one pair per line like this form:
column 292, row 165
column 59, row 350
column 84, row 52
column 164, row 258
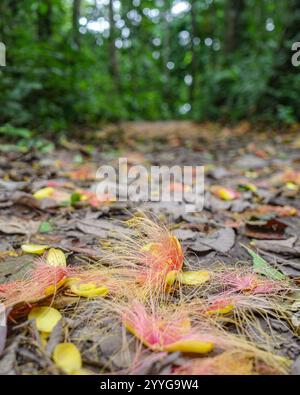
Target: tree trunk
column 113, row 60
column 234, row 25
column 194, row 63
column 166, row 54
column 75, row 22
column 44, row 24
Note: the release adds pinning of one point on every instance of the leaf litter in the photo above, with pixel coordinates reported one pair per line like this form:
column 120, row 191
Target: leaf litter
column 92, row 286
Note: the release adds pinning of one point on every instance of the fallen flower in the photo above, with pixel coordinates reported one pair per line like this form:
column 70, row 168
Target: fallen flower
column 160, row 334
column 288, row 176
column 93, row 199
column 248, row 283
column 165, row 254
column 60, row 196
column 90, row 283
column 83, row 172
column 219, row 307
column 39, row 282
column 161, row 259
column 149, row 252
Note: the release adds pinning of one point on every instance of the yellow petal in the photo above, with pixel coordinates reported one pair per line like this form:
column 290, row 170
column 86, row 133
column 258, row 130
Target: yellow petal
column 177, row 243
column 68, row 358
column 226, row 195
column 190, row 346
column 130, row 329
column 45, row 318
column 71, row 280
column 88, row 290
column 223, row 310
column 51, row 290
column 291, row 186
column 43, row 193
column 223, row 193
column 34, row 248
column 56, row 258
column 83, row 372
column 194, row 278
column 171, row 277
column 251, row 187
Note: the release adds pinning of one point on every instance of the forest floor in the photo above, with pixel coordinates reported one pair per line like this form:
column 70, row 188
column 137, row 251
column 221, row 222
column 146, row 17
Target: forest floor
column 261, row 167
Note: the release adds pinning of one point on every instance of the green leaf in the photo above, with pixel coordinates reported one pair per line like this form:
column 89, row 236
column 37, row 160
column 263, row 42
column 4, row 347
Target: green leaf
column 45, row 227
column 261, row 266
column 75, row 197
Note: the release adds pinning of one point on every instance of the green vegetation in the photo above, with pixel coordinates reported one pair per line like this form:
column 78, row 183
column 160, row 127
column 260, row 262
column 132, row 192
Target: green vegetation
column 82, row 62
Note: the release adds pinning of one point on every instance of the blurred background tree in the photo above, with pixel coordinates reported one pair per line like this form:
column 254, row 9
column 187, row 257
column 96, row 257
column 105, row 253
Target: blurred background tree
column 79, row 62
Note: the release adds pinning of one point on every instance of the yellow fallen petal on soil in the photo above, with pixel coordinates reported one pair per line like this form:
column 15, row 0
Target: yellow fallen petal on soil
column 88, row 290
column 194, row 278
column 56, row 258
column 291, row 186
column 252, row 187
column 34, row 248
column 43, row 193
column 223, row 310
column 45, row 318
column 190, row 346
column 83, row 372
column 68, row 358
column 223, row 193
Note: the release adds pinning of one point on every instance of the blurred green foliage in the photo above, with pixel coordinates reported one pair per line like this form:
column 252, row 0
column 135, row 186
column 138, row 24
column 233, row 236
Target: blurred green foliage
column 80, row 62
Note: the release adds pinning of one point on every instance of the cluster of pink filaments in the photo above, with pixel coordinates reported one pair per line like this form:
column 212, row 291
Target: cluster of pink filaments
column 154, row 330
column 241, row 282
column 160, row 258
column 39, row 282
